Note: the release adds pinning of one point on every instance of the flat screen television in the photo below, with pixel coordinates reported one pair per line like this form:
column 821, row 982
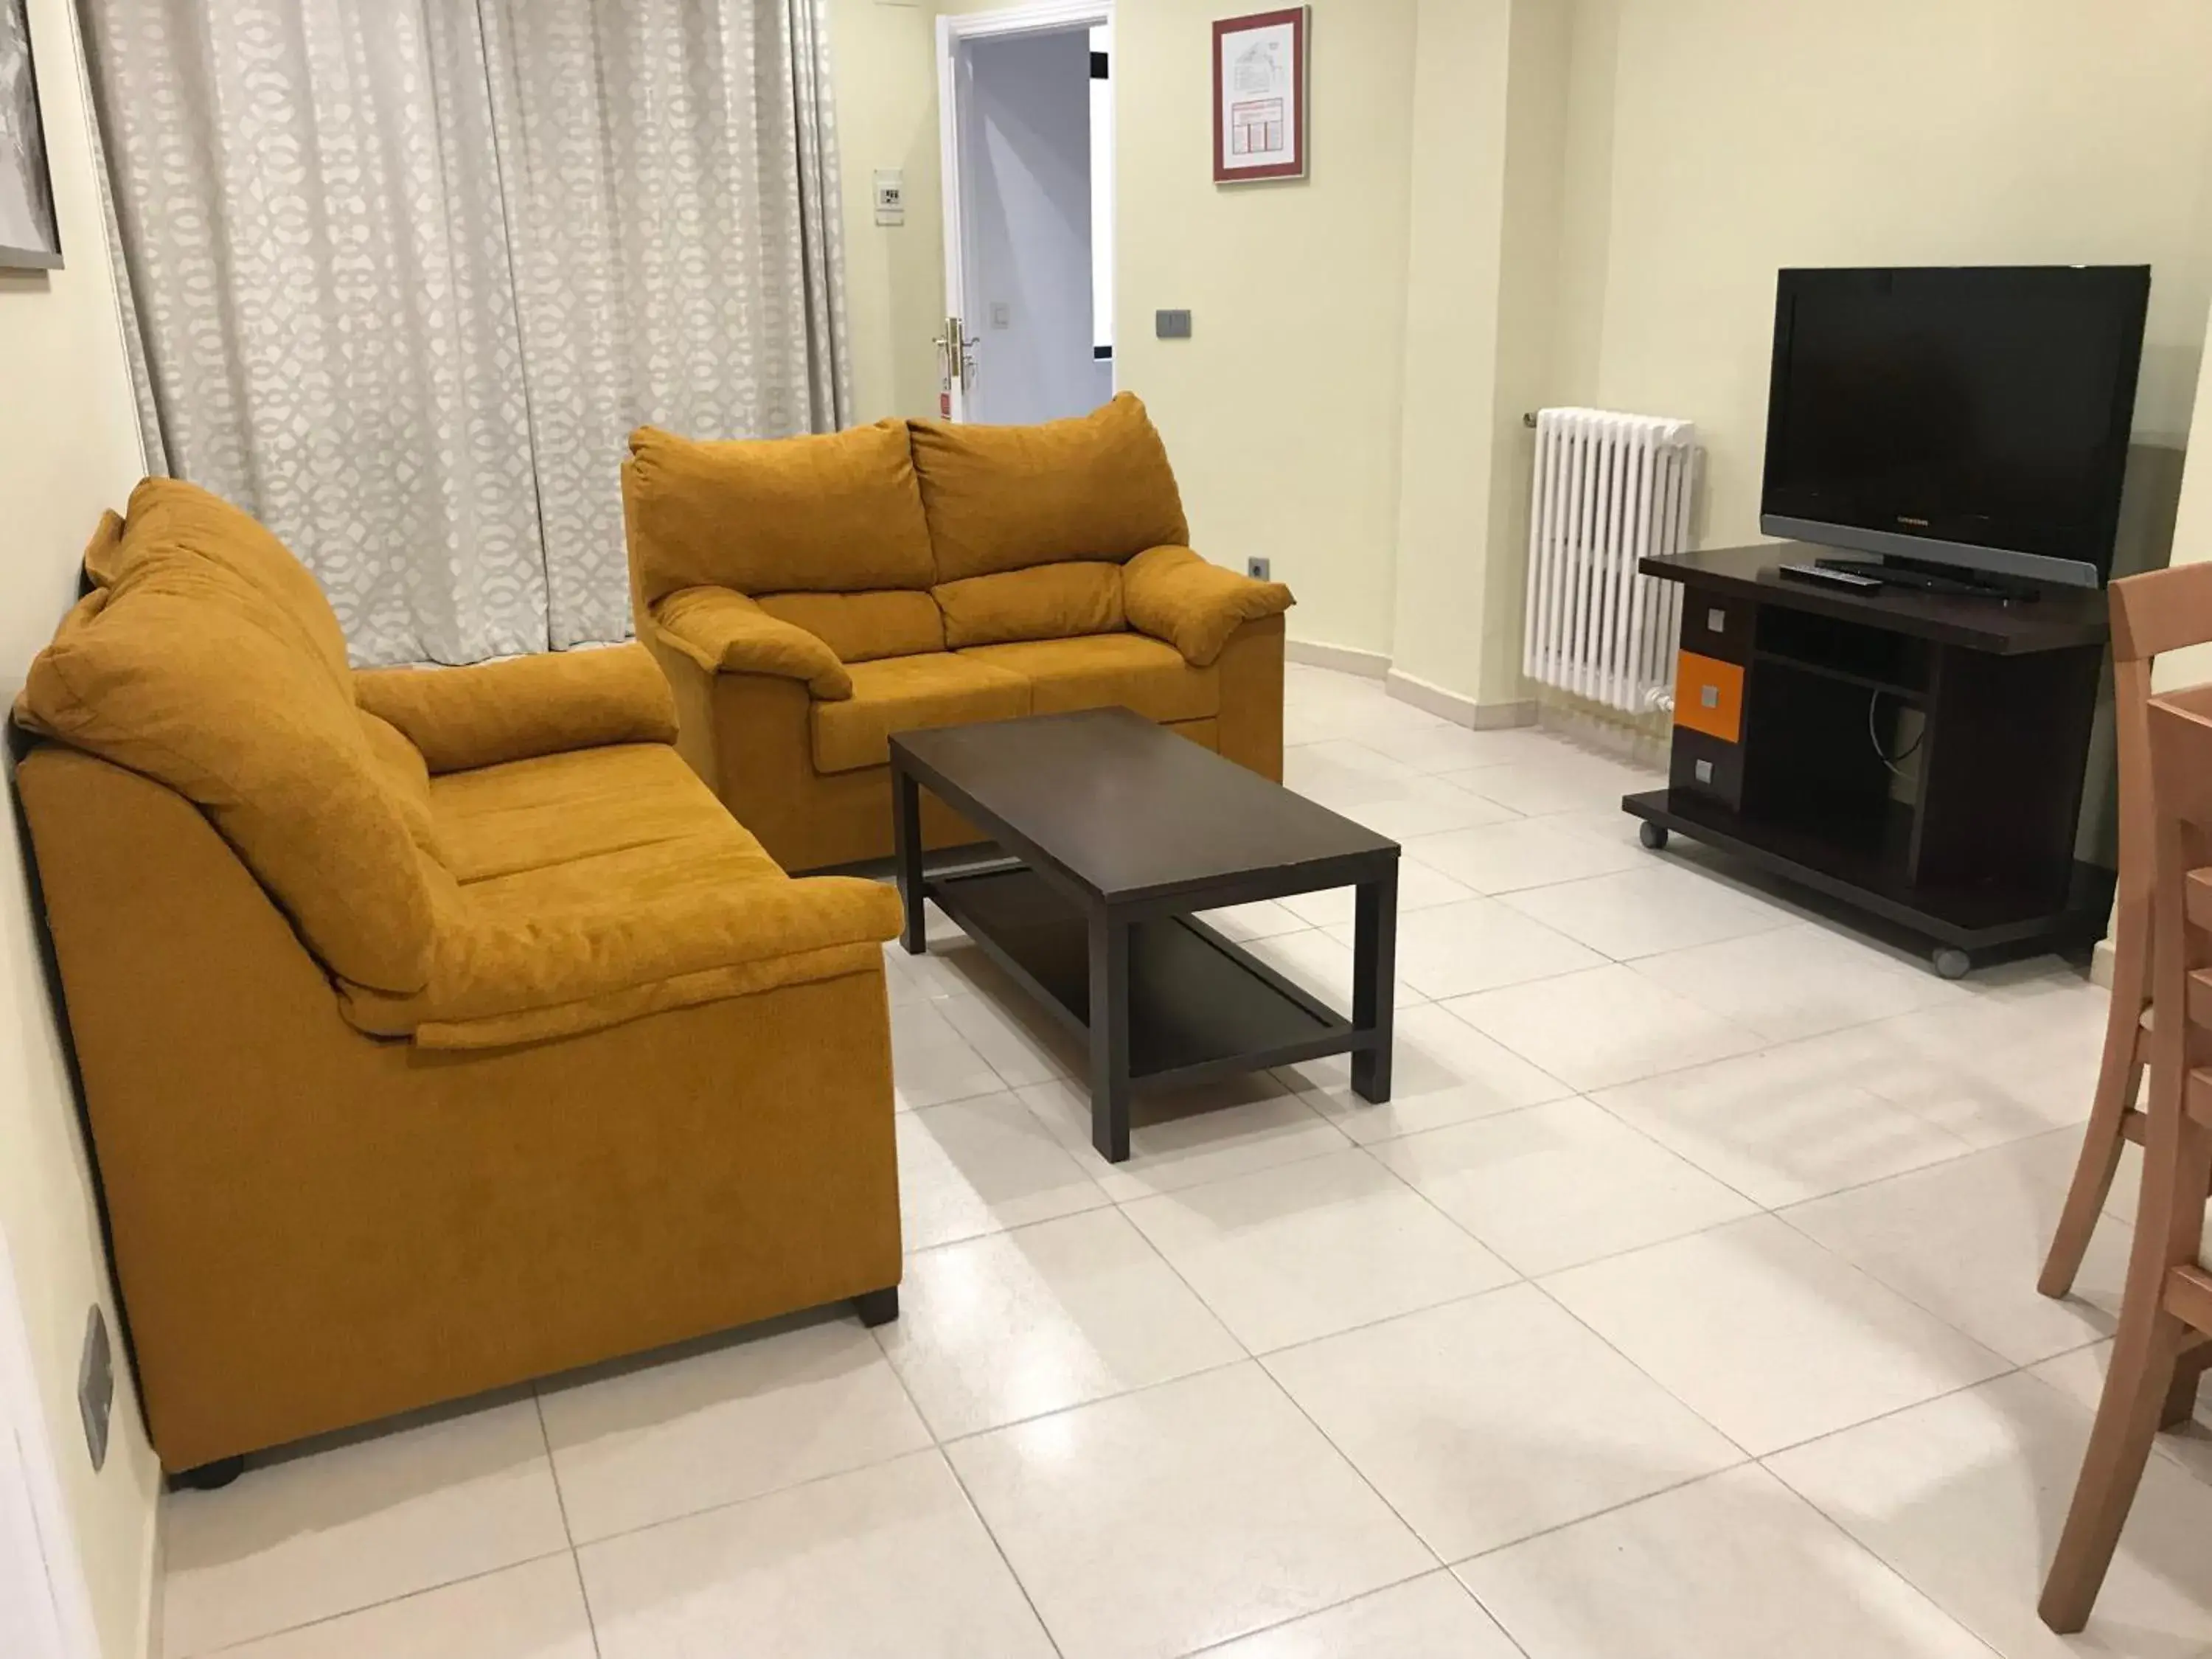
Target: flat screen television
column 1969, row 416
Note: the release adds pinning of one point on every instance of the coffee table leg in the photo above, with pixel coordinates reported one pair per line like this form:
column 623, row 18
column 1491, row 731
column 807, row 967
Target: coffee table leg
column 1109, row 1037
column 906, row 838
column 1374, row 988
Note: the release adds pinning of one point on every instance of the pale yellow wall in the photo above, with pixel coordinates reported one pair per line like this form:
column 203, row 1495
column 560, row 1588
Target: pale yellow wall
column 883, row 53
column 1454, row 270
column 1714, row 141
column 1600, row 195
column 1282, row 411
column 1489, row 135
column 2192, row 539
column 69, row 447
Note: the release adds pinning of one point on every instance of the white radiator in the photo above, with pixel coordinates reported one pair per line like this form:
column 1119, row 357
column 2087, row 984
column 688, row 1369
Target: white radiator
column 1610, row 488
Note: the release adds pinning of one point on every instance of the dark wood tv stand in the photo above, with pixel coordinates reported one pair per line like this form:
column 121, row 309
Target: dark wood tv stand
column 1784, row 691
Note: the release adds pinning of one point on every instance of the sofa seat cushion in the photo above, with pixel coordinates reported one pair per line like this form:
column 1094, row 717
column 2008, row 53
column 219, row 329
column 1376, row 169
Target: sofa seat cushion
column 1045, row 602
column 603, row 886
column 1107, row 670
column 559, row 809
column 862, row 627
column 906, row 693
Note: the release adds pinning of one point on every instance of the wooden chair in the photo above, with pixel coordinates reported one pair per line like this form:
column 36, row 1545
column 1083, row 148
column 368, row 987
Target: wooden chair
column 2159, row 611
column 2165, row 1314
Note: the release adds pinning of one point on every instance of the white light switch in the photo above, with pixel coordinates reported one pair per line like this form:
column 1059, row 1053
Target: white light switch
column 890, row 197
column 1709, row 696
column 1704, row 771
column 1002, row 314
column 1716, row 620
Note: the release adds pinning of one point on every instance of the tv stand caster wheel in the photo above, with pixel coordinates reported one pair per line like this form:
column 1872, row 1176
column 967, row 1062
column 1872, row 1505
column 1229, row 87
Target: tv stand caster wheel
column 1653, row 836
column 208, row 1477
column 1951, row 963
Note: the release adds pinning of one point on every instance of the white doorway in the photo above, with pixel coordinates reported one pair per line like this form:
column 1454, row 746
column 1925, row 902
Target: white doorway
column 1025, row 112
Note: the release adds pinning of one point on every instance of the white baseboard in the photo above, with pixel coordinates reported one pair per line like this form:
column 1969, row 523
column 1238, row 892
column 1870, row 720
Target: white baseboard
column 1452, row 706
column 2100, row 964
column 1630, row 741
column 1430, row 698
column 1344, row 659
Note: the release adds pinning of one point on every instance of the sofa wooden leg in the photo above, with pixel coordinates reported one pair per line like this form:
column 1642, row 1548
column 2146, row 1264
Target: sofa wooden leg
column 208, row 1477
column 877, row 1307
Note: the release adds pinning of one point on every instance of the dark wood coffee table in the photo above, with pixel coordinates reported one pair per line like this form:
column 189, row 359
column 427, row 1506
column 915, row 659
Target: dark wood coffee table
column 1117, row 831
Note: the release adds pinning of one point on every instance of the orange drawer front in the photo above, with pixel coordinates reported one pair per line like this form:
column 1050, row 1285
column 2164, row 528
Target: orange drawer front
column 1709, row 696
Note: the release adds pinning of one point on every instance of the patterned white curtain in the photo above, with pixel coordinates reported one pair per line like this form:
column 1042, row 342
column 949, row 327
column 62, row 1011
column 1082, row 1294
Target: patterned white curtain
column 406, row 275
column 676, row 259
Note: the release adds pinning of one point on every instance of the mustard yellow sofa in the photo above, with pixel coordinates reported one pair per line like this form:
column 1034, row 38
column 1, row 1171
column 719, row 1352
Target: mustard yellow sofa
column 438, row 1028
column 809, row 596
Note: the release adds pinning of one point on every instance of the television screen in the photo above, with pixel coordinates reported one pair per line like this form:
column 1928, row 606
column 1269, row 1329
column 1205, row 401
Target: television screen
column 1974, row 416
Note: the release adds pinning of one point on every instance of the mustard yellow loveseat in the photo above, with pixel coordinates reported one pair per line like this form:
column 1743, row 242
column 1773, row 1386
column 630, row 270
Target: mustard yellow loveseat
column 810, row 596
column 438, row 1028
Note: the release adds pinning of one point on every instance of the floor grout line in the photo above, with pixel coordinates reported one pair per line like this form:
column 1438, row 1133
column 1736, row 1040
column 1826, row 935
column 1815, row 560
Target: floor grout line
column 942, row 1446
column 943, row 1455
column 369, row 1607
column 568, row 1531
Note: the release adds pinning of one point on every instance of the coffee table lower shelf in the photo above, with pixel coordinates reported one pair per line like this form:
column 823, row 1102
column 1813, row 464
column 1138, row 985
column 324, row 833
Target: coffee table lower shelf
column 1199, row 1007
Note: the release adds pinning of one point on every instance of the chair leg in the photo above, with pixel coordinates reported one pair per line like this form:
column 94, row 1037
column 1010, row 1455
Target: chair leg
column 2136, row 1390
column 2146, row 1353
column 2117, row 1079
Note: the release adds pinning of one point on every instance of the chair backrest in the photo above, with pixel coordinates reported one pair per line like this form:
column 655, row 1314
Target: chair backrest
column 2180, row 728
column 2158, row 611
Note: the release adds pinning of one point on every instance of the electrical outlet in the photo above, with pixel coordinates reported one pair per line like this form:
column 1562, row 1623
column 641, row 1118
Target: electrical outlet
column 95, row 1385
column 1257, row 570
column 1171, row 325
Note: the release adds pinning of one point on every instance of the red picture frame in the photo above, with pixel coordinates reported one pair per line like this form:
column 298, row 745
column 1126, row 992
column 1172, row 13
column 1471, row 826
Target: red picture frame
column 1270, row 119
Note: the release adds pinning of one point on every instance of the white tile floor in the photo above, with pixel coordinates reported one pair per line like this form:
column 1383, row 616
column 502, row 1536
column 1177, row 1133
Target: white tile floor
column 1681, row 1304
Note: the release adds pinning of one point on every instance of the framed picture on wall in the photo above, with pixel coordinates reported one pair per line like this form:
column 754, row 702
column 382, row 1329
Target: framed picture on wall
column 29, row 237
column 1258, row 96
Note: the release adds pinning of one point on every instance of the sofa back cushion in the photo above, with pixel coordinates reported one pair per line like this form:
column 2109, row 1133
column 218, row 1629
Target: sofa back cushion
column 198, row 672
column 1007, row 497
column 837, row 513
column 169, row 517
column 1046, row 602
column 864, row 626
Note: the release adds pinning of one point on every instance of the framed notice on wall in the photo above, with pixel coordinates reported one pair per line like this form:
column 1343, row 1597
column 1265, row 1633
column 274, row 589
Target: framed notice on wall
column 1260, row 96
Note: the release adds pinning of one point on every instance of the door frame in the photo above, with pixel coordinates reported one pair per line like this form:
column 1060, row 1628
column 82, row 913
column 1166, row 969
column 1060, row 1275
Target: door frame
column 39, row 1566
column 955, row 30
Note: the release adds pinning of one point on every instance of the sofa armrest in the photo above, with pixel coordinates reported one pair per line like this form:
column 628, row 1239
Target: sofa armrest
column 517, row 707
column 509, row 972
column 725, row 632
column 1172, row 594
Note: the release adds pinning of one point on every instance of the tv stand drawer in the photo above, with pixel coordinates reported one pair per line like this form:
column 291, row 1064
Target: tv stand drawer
column 1706, row 766
column 1709, row 696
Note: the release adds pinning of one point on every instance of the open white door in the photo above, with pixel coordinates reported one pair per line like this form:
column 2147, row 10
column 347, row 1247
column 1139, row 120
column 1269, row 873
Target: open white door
column 44, row 1611
column 978, row 324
